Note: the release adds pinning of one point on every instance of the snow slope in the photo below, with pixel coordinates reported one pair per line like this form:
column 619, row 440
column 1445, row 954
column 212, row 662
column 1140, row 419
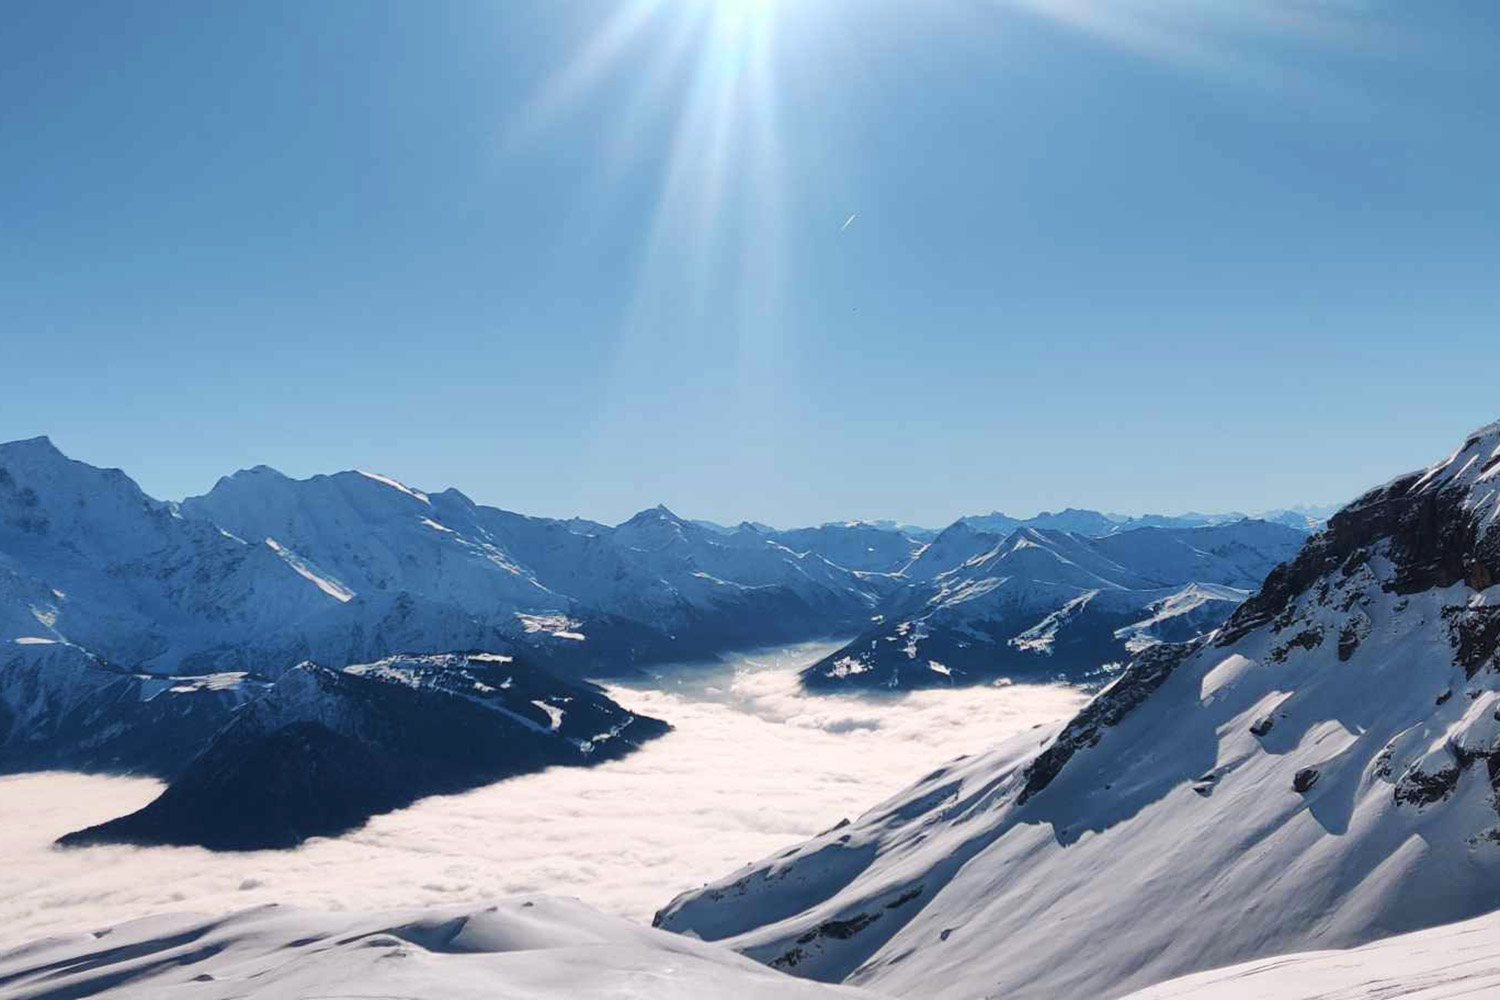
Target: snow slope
column 526, row 948
column 1444, row 963
column 1320, row 772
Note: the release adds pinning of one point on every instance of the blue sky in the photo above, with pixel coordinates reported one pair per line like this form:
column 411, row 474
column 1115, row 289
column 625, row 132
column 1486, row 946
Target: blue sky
column 584, row 256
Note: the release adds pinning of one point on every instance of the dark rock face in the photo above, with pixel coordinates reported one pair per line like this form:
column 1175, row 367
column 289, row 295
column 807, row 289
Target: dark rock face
column 1308, row 639
column 1475, row 635
column 1351, row 635
column 1422, row 788
column 324, row 750
column 1149, row 671
column 1431, row 539
column 1304, row 779
column 840, row 929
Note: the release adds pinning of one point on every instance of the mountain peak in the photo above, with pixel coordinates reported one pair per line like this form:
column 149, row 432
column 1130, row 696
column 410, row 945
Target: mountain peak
column 653, row 515
column 36, row 448
column 259, row 471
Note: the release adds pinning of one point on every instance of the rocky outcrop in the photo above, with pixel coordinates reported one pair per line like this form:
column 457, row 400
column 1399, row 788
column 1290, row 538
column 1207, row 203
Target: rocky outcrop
column 1427, row 524
column 1149, row 671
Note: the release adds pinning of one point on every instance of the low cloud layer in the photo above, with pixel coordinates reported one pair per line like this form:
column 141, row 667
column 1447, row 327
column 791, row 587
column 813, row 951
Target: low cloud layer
column 754, row 765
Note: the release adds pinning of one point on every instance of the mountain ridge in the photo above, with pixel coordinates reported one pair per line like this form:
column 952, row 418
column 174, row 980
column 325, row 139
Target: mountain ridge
column 1245, row 789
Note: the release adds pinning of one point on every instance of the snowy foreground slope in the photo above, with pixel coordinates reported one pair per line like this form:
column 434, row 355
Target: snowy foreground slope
column 1444, row 963
column 1319, row 773
column 536, row 948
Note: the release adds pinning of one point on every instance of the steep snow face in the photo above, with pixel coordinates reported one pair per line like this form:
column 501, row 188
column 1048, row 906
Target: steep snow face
column 360, row 533
column 87, row 557
column 363, row 538
column 1320, row 772
column 536, row 947
column 1040, row 602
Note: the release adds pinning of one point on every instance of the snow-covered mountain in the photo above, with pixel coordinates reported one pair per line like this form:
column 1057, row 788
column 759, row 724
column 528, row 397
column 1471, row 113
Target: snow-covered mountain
column 1042, row 602
column 87, row 557
column 537, row 947
column 321, row 750
column 265, row 571
column 1096, row 524
column 1318, row 773
column 62, row 707
column 654, row 587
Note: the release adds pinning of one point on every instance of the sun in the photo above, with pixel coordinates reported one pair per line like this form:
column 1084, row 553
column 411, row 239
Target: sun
column 705, row 69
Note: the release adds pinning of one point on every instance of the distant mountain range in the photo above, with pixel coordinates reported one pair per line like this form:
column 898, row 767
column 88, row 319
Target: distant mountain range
column 264, row 572
column 1046, row 603
column 276, row 626
column 1320, row 771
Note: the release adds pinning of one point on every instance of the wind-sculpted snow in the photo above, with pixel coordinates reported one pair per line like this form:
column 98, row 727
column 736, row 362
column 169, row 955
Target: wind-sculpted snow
column 1320, row 773
column 537, row 947
column 322, row 750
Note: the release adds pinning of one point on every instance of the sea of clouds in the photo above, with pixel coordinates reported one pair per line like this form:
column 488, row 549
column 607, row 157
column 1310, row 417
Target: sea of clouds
column 753, row 765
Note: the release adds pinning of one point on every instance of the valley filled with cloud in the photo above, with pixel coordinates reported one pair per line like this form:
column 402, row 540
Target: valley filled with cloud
column 754, row 763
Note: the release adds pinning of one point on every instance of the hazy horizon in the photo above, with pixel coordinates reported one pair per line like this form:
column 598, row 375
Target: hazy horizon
column 1082, row 503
